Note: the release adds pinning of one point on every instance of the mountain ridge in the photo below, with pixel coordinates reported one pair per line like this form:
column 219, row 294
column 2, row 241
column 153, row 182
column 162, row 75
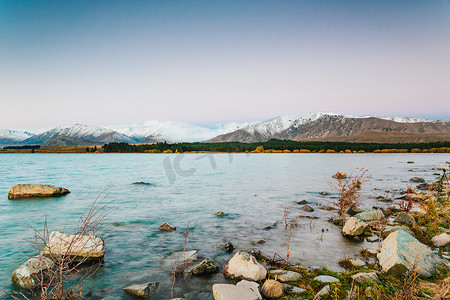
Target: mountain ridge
column 313, row 126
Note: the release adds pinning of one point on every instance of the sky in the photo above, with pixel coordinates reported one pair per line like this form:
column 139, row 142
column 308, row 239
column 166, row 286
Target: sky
column 211, row 62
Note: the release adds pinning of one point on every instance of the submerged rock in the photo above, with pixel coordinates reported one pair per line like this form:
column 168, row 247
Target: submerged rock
column 166, row 227
column 272, row 289
column 307, row 208
column 80, row 248
column 417, row 179
column 21, row 191
column 220, row 214
column 143, row 290
column 323, row 193
column 228, row 246
column 400, row 252
column 371, row 215
column 141, row 183
column 243, row 290
column 441, row 240
column 182, row 257
column 353, row 227
column 207, row 266
column 245, row 266
column 339, row 175
column 302, row 202
column 285, row 276
column 28, row 274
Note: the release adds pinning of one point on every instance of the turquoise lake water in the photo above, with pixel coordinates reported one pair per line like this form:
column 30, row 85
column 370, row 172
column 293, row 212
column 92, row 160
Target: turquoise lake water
column 251, row 189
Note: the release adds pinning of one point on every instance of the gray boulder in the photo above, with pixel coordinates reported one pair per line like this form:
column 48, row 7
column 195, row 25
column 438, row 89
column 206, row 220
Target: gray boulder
column 243, row 290
column 29, row 274
column 143, row 290
column 390, row 229
column 293, row 289
column 371, row 215
column 400, row 251
column 21, row 191
column 353, row 227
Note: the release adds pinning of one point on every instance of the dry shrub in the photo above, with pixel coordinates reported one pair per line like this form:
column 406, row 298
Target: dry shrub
column 72, row 269
column 349, row 190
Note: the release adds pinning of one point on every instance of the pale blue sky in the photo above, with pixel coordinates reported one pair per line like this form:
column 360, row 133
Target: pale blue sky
column 208, row 62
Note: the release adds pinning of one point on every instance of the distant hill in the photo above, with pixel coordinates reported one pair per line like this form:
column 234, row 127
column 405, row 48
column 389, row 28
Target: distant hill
column 333, row 127
column 61, row 140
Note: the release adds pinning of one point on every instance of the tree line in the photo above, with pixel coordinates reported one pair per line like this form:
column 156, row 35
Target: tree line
column 275, row 145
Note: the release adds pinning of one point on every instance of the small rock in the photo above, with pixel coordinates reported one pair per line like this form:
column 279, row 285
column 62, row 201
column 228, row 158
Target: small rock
column 410, row 162
column 244, row 265
column 354, row 210
column 220, row 214
column 441, row 240
column 28, row 274
column 207, row 266
column 21, row 191
column 271, row 226
column 228, row 246
column 326, row 279
column 417, row 179
column 353, row 227
column 272, row 289
column 141, row 183
column 303, row 202
column 286, row 276
column 243, row 290
column 356, row 262
column 144, row 290
column 323, row 193
column 293, row 289
column 405, row 218
column 372, row 239
column 260, row 242
column 339, row 175
column 366, row 277
column 166, row 227
column 323, row 292
column 326, row 208
column 307, row 208
column 372, row 252
column 371, row 215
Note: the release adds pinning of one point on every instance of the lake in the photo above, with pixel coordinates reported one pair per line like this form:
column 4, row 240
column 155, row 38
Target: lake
column 251, row 189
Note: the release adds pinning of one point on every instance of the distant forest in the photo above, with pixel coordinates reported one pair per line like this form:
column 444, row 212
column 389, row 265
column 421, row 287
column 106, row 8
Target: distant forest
column 277, row 146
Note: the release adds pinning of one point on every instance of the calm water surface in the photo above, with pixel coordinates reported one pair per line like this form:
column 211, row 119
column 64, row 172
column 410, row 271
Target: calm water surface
column 251, row 189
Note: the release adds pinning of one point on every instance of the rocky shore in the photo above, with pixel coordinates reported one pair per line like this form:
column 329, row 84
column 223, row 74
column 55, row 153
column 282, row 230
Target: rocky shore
column 409, row 258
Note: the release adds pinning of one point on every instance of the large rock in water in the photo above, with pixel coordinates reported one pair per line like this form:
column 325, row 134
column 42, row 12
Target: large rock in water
column 21, row 191
column 243, row 290
column 353, row 227
column 400, row 251
column 205, row 267
column 245, row 266
column 29, row 274
column 85, row 248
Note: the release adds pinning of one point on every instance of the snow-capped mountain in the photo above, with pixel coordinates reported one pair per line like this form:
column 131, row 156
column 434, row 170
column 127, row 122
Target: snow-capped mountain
column 324, row 125
column 86, row 133
column 158, row 131
column 311, row 126
column 11, row 137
